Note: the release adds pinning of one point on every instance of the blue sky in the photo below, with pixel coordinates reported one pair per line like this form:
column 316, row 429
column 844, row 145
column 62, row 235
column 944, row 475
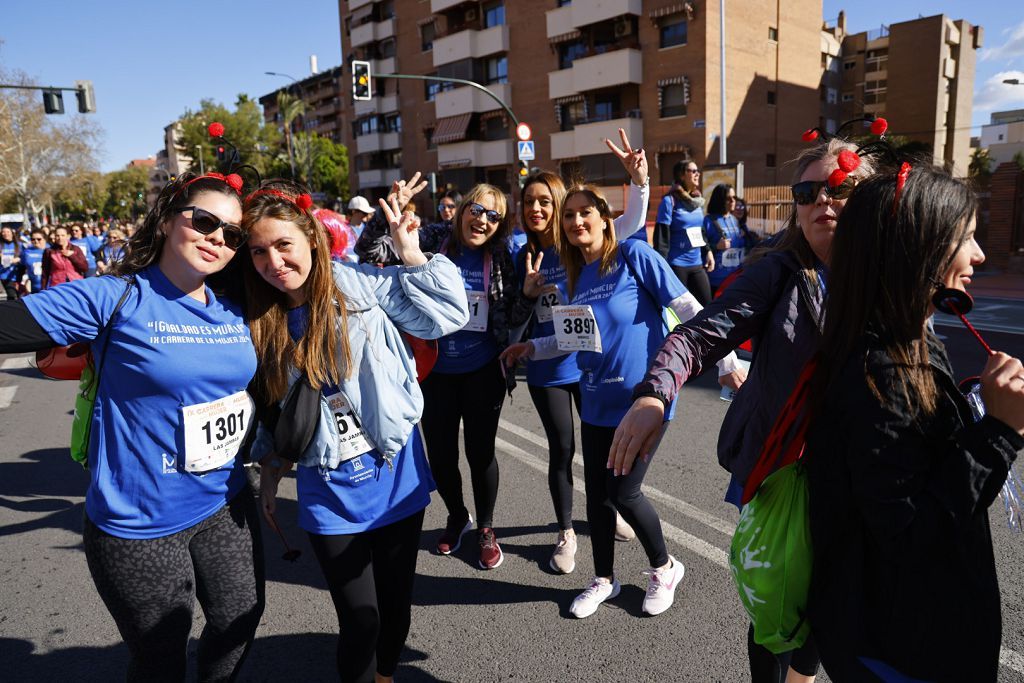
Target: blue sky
column 149, row 63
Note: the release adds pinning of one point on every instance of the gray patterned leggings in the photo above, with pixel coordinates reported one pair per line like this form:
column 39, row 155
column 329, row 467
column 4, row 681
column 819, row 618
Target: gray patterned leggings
column 150, row 586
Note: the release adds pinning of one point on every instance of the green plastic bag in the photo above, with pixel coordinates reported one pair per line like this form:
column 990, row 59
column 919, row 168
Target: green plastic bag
column 85, row 402
column 771, row 559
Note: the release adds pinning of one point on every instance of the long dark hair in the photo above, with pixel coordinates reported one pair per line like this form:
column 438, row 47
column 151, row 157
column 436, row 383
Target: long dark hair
column 885, row 267
column 718, row 200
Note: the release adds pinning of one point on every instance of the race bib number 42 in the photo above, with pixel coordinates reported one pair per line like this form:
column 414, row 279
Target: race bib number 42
column 214, row 431
column 549, row 298
column 478, row 308
column 576, row 328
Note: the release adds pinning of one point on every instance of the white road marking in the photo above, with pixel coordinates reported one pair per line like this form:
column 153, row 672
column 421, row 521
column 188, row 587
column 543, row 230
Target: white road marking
column 17, row 363
column 7, row 396
column 692, row 511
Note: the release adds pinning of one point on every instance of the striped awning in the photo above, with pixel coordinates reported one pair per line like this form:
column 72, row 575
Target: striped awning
column 671, row 81
column 455, row 163
column 565, row 37
column 674, row 148
column 488, row 115
column 569, row 99
column 674, row 8
column 426, row 20
column 451, row 129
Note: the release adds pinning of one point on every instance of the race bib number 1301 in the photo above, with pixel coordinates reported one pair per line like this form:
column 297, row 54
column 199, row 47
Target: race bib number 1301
column 215, row 430
column 576, row 328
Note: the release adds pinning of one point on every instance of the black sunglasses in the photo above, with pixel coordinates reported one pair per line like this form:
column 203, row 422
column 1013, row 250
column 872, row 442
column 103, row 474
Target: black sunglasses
column 442, row 206
column 206, row 223
column 492, row 216
column 807, row 192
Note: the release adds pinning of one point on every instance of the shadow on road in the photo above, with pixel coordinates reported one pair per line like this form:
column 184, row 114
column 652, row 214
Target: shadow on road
column 52, row 482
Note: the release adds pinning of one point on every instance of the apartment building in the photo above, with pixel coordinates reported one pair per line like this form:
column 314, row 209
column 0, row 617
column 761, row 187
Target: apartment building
column 919, row 75
column 575, row 72
column 322, row 93
column 1003, row 136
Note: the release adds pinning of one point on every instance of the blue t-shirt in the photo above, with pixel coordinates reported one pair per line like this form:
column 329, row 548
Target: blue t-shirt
column 551, row 372
column 467, row 350
column 83, row 244
column 362, row 493
column 95, row 242
column 167, row 352
column 631, row 327
column 685, row 231
column 517, row 242
column 10, row 271
column 32, row 259
column 727, row 261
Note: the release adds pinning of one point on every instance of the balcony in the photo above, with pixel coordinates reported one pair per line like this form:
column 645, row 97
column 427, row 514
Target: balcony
column 618, row 67
column 479, row 153
column 470, row 44
column 587, row 138
column 356, row 4
column 376, row 142
column 378, row 105
column 371, row 32
column 379, row 177
column 577, row 15
column 383, row 66
column 466, row 100
column 442, row 5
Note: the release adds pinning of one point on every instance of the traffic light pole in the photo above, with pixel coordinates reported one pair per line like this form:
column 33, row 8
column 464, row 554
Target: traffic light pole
column 472, row 84
column 84, row 92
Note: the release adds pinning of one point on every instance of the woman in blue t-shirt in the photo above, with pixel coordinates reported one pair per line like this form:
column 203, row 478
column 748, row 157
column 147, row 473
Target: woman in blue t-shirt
column 554, row 384
column 32, row 259
column 617, row 293
column 679, row 232
column 168, row 514
column 332, row 332
column 11, row 267
column 727, row 239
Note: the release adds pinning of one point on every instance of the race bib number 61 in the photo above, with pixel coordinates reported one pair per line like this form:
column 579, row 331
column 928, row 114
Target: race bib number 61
column 576, row 328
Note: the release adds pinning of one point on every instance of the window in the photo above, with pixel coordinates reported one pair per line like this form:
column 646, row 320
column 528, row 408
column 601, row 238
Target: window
column 847, row 97
column 427, row 34
column 571, row 114
column 570, row 52
column 673, row 100
column 876, row 60
column 563, row 3
column 673, row 32
column 848, row 66
column 494, row 14
column 606, row 107
column 393, row 123
column 431, row 88
column 386, row 48
column 773, row 33
column 428, row 133
column 771, row 97
column 493, row 128
column 832, row 96
column 365, row 126
column 769, row 160
column 497, row 70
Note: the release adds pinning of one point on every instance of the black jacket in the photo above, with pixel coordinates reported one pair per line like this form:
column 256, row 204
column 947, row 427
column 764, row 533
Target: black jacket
column 903, row 564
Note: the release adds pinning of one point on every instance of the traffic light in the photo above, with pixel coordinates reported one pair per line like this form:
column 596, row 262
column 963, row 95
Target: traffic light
column 524, row 170
column 53, row 102
column 362, row 87
column 222, row 153
column 86, row 97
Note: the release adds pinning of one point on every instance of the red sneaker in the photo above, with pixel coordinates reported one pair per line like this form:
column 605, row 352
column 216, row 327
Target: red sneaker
column 451, row 537
column 490, row 552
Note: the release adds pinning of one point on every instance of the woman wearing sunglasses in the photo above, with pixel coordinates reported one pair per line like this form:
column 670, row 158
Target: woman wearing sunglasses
column 168, row 517
column 11, row 267
column 332, row 331
column 679, row 231
column 777, row 301
column 32, row 257
column 728, row 241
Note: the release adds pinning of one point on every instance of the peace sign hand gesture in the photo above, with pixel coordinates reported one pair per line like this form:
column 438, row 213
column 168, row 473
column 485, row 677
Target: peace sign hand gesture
column 533, row 285
column 404, row 232
column 403, row 191
column 633, row 160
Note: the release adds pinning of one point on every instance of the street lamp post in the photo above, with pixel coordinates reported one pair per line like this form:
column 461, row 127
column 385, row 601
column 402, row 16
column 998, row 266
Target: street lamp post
column 309, row 153
column 1012, row 81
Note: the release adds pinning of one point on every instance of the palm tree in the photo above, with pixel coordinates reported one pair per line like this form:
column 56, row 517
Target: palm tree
column 290, row 108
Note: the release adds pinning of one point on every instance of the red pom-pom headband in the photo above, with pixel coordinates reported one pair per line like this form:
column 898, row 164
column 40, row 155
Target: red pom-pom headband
column 233, row 180
column 303, row 201
column 901, row 180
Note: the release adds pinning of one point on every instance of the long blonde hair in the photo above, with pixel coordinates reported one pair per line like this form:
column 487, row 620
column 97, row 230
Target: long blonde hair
column 326, row 336
column 571, row 256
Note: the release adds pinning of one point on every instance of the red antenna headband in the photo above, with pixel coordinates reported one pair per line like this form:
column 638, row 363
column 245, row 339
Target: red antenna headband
column 303, row 201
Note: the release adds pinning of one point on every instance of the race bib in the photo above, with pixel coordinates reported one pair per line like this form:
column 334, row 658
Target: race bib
column 549, row 298
column 576, row 328
column 352, row 441
column 478, row 308
column 6, row 260
column 215, row 430
column 732, row 258
column 37, row 269
column 696, row 236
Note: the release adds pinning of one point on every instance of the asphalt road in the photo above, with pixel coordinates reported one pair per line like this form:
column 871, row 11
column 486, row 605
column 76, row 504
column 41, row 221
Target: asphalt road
column 509, row 624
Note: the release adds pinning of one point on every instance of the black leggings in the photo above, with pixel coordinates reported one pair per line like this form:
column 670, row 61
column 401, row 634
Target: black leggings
column 554, row 405
column 474, row 398
column 695, row 279
column 607, row 493
column 766, row 667
column 370, row 576
column 150, row 585
column 11, row 289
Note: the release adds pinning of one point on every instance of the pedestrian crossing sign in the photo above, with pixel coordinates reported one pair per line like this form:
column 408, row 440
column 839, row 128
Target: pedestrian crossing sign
column 526, row 150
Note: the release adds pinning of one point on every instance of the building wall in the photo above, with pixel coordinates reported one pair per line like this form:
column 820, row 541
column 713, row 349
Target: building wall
column 322, row 94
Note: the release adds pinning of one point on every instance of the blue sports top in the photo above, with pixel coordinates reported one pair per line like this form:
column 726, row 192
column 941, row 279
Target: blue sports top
column 468, row 350
column 685, row 231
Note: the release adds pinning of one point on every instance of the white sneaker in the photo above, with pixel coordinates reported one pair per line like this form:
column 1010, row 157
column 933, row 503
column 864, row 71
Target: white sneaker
column 623, row 531
column 661, row 586
column 587, row 602
column 563, row 559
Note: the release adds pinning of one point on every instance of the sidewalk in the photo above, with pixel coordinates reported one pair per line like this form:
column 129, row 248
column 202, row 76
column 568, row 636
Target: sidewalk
column 998, row 284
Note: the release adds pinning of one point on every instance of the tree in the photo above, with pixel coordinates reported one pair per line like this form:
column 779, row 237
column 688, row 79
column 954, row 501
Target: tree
column 126, row 192
column 291, row 108
column 980, row 167
column 243, row 128
column 1018, row 159
column 40, row 154
column 327, row 160
column 82, row 196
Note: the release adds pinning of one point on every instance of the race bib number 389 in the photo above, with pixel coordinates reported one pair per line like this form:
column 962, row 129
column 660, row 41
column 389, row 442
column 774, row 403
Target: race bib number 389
column 576, row 328
column 215, row 430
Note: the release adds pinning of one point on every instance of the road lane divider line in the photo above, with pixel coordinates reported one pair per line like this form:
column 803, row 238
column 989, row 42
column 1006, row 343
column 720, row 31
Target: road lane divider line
column 673, row 533
column 17, row 363
column 682, row 507
column 7, row 396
